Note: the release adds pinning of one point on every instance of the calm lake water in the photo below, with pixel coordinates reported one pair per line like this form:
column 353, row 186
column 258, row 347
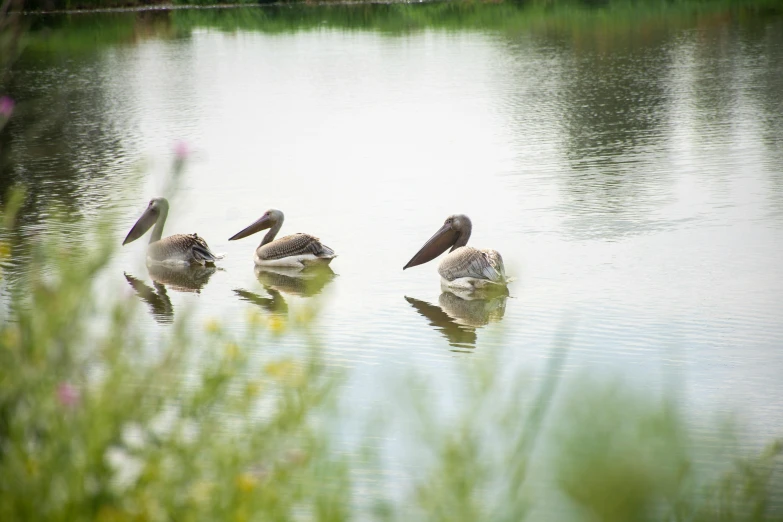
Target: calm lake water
column 630, row 172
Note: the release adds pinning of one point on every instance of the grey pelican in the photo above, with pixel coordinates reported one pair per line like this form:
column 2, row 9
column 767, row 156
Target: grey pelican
column 294, row 251
column 465, row 267
column 178, row 249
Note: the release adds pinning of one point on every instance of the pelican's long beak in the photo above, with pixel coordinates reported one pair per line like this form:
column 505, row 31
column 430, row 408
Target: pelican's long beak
column 261, row 224
column 144, row 223
column 437, row 244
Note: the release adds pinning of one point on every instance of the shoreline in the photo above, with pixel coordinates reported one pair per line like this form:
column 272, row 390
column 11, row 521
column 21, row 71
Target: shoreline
column 583, row 4
column 178, row 7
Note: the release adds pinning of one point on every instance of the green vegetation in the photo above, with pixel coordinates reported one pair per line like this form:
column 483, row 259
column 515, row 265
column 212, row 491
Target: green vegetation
column 61, row 5
column 507, row 17
column 635, row 4
column 85, row 32
column 108, row 426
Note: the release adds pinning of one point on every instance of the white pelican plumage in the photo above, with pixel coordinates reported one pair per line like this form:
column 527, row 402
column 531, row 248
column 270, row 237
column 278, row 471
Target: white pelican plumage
column 465, row 267
column 294, row 251
column 178, row 249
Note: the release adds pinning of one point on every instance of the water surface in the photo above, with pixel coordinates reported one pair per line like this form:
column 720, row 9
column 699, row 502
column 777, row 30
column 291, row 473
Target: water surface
column 629, row 173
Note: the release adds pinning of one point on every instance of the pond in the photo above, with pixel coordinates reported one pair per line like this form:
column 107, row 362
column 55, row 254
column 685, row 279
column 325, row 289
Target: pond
column 628, row 167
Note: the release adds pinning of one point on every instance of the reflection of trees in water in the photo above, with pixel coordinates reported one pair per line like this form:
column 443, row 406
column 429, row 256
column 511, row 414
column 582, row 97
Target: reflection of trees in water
column 613, row 104
column 66, row 138
column 73, row 137
column 604, row 108
column 729, row 82
column 766, row 93
column 457, row 317
column 61, row 145
column 616, row 108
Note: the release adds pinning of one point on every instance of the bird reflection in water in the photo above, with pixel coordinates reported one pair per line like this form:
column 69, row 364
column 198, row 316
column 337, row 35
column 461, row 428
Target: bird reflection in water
column 459, row 314
column 180, row 279
column 277, row 281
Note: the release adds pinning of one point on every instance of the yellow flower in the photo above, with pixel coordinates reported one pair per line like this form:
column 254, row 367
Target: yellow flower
column 232, row 351
column 280, row 369
column 246, row 482
column 277, row 324
column 212, row 326
column 286, row 372
column 253, row 388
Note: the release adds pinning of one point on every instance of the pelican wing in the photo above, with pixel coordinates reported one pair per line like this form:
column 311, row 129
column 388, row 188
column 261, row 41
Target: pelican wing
column 183, row 247
column 471, row 262
column 294, row 245
column 201, row 250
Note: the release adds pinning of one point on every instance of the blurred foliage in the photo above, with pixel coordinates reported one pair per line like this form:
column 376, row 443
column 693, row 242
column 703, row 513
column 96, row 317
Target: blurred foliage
column 586, row 450
column 99, row 422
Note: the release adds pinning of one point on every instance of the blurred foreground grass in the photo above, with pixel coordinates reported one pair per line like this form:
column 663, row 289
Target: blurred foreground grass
column 98, row 422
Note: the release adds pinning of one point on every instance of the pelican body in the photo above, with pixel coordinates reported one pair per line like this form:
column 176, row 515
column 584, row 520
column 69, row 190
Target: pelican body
column 294, row 251
column 464, row 268
column 176, row 250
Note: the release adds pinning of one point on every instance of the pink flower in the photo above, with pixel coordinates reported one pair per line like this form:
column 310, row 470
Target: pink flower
column 6, row 106
column 67, row 395
column 181, row 149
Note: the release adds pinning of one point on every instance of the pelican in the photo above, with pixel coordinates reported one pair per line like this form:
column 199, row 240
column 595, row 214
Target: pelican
column 294, row 251
column 465, row 267
column 179, row 249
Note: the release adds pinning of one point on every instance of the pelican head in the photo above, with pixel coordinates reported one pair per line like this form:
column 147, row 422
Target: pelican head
column 158, row 208
column 270, row 218
column 454, row 233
